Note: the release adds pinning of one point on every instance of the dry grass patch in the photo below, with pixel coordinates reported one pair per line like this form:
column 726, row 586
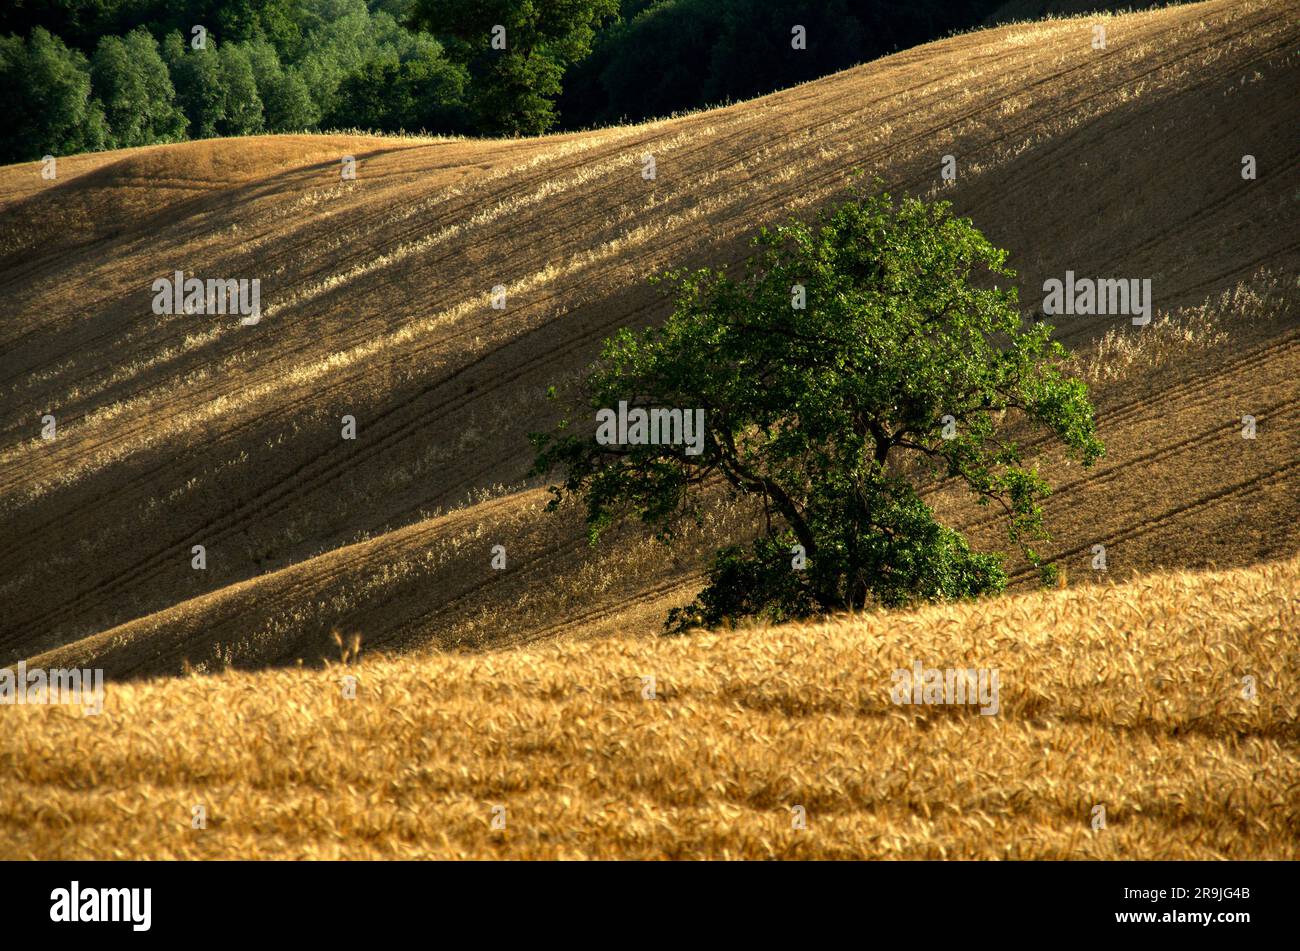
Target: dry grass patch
column 1188, row 331
column 1128, row 696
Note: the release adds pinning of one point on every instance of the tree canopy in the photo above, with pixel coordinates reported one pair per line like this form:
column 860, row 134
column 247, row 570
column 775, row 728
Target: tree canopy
column 517, row 52
column 669, row 55
column 515, row 67
column 853, row 359
column 51, row 110
column 130, row 79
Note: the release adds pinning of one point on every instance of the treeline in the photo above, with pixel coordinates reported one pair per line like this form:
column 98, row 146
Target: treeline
column 91, row 74
column 278, row 66
column 665, row 56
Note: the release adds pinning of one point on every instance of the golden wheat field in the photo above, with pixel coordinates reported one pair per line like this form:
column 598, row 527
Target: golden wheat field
column 1127, row 696
column 486, row 696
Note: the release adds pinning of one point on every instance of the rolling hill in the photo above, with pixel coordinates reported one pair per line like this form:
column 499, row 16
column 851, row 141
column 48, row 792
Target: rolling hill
column 177, row 430
column 182, row 430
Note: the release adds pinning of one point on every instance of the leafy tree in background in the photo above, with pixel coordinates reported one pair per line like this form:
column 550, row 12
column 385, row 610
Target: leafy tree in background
column 832, row 413
column 514, row 89
column 285, row 98
column 573, row 63
column 130, row 79
column 278, row 21
column 422, row 92
column 50, row 109
column 364, row 98
column 242, row 111
column 364, row 70
column 200, row 85
column 673, row 55
column 81, row 23
column 164, row 121
column 342, row 42
column 429, row 90
column 649, row 65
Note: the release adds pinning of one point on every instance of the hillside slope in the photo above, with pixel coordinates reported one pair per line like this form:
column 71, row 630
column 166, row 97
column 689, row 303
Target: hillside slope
column 175, row 431
column 1132, row 698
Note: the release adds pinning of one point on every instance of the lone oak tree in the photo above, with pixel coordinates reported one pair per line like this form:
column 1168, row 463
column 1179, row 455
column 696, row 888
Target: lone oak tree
column 904, row 361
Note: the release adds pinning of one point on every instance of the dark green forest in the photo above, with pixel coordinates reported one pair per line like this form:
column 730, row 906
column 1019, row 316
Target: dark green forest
column 97, row 74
